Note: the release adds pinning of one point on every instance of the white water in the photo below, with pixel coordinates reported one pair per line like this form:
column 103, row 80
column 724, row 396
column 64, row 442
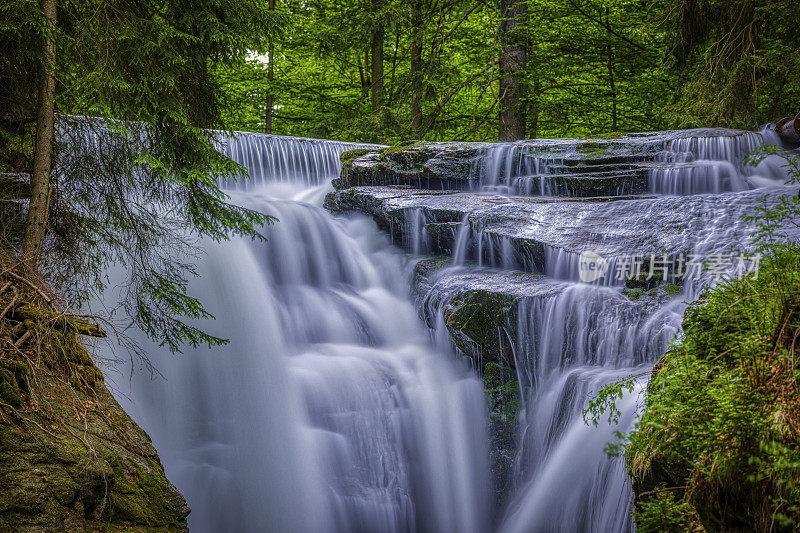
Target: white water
column 571, row 344
column 676, row 163
column 270, row 158
column 568, row 347
column 329, row 410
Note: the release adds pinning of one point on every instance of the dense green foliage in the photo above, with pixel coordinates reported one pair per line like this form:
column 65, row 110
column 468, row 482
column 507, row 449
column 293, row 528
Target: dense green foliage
column 736, row 60
column 144, row 199
column 353, row 70
column 593, row 67
column 721, row 424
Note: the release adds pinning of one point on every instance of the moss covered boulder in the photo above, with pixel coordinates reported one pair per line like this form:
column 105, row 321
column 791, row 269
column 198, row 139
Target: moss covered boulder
column 717, row 447
column 71, row 459
column 423, row 165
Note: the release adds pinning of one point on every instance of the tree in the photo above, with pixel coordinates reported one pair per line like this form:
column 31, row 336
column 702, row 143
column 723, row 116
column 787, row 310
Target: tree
column 513, row 56
column 376, row 56
column 737, row 60
column 143, row 68
column 270, row 79
column 417, row 29
column 39, row 205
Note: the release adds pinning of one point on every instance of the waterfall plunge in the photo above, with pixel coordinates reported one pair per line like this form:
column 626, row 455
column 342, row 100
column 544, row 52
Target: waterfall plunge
column 568, row 347
column 329, row 410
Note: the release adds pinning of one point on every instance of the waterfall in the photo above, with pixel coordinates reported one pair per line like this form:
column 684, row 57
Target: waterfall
column 330, row 409
column 573, row 337
column 713, row 164
column 334, row 409
column 672, row 163
column 569, row 346
column 271, row 158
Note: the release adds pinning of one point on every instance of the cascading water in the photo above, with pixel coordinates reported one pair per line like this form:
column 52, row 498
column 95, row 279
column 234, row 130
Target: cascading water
column 332, row 410
column 675, row 163
column 575, row 337
column 568, row 347
column 329, row 410
column 270, row 158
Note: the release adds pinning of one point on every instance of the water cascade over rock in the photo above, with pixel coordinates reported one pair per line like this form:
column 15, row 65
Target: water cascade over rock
column 330, row 409
column 541, row 236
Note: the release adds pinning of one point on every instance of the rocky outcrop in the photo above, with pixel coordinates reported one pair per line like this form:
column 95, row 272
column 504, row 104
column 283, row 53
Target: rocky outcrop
column 424, row 165
column 478, row 307
column 70, row 458
column 613, row 166
column 519, row 232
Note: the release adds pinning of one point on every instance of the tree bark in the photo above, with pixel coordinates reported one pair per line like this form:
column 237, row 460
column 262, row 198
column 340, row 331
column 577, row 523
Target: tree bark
column 376, row 50
column 416, row 66
column 534, row 108
column 39, row 206
column 512, row 67
column 613, row 93
column 270, row 77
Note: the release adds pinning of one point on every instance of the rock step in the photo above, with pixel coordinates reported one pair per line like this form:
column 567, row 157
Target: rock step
column 606, row 160
column 477, row 304
column 609, row 169
column 533, row 234
column 582, row 185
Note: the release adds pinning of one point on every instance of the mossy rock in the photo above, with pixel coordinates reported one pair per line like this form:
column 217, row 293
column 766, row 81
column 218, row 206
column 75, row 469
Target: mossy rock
column 503, row 399
column 475, row 320
column 71, row 459
column 413, row 163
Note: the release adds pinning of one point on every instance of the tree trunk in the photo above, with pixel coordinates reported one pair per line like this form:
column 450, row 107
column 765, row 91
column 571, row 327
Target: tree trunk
column 376, row 49
column 270, row 77
column 613, row 93
column 512, row 69
column 534, row 108
column 789, row 130
column 416, row 66
column 39, row 206
column 363, row 75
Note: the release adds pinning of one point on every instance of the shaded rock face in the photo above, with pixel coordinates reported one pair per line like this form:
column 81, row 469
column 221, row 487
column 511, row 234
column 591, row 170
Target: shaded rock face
column 544, row 236
column 428, row 165
column 70, row 458
column 478, row 313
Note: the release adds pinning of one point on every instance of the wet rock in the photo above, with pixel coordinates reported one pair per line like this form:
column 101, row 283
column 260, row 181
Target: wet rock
column 515, row 232
column 541, row 167
column 423, row 165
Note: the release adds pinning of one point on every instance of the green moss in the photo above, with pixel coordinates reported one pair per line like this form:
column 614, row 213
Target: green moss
column 70, row 458
column 594, row 148
column 672, row 289
column 479, row 315
column 399, row 148
column 13, row 383
column 633, row 294
column 610, row 135
column 349, row 155
column 503, row 399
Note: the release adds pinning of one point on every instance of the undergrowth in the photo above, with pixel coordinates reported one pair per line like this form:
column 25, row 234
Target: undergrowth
column 720, row 431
